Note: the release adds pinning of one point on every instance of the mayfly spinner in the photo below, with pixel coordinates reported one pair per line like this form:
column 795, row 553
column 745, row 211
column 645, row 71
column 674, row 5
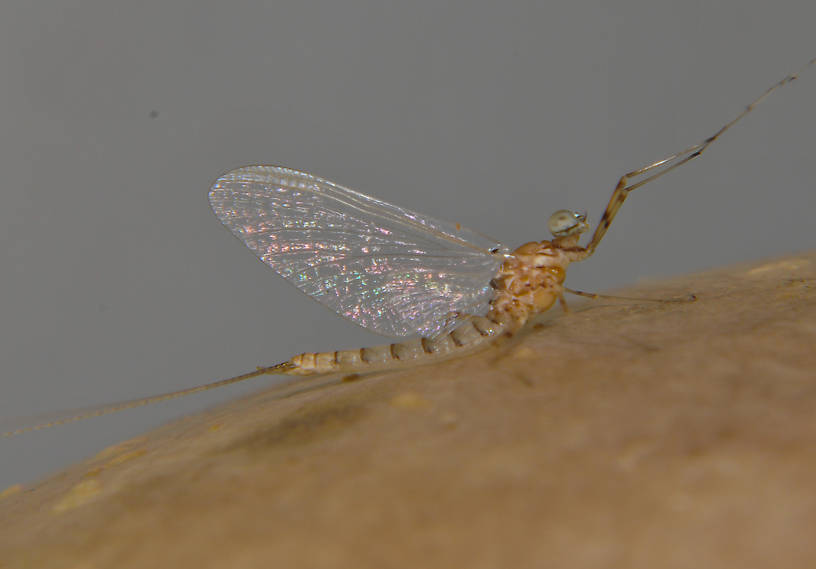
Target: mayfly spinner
column 400, row 273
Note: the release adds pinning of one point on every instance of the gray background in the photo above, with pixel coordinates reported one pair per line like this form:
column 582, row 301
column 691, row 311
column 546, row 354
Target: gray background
column 117, row 280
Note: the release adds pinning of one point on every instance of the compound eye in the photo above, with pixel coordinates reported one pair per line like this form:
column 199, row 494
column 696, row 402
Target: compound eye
column 565, row 222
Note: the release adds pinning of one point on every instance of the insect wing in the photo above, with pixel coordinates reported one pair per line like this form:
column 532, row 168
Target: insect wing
column 389, row 269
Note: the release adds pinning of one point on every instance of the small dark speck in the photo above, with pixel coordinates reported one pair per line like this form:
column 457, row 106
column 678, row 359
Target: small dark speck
column 153, row 114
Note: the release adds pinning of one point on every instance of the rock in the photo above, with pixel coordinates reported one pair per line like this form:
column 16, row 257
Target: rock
column 621, row 434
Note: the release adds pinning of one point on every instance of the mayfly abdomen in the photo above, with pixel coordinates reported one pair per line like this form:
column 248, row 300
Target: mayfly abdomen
column 472, row 333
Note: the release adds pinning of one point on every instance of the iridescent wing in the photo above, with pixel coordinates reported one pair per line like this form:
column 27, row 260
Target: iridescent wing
column 388, row 269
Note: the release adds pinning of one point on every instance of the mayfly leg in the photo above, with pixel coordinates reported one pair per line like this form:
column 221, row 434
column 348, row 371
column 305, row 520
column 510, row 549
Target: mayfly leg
column 669, row 163
column 596, row 296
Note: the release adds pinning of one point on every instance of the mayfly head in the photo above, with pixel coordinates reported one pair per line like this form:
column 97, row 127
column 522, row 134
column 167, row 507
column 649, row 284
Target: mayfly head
column 565, row 223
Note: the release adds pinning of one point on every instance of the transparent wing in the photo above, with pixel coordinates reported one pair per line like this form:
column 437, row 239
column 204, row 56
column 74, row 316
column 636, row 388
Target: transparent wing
column 388, row 269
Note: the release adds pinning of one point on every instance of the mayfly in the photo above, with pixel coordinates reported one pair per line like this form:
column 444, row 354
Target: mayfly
column 448, row 289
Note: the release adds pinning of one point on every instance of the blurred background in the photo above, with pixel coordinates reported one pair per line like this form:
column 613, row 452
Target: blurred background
column 118, row 281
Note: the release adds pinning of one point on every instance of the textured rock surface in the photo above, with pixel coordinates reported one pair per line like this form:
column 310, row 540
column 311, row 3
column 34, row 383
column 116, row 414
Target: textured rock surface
column 620, row 435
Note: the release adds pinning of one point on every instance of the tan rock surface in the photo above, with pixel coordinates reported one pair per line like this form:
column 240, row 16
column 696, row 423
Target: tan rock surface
column 620, row 435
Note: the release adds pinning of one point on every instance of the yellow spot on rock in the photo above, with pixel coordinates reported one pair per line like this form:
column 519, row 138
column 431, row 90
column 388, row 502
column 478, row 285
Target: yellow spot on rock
column 79, row 495
column 96, row 471
column 115, row 461
column 449, row 420
column 524, row 353
column 119, row 447
column 780, row 266
column 124, row 457
column 11, row 490
column 409, row 400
